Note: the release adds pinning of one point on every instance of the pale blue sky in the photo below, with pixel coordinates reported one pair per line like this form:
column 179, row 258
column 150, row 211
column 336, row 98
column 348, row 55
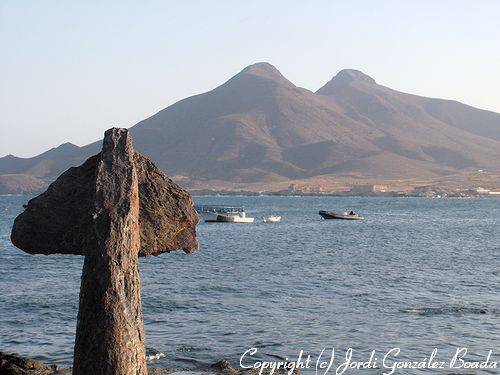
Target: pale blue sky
column 70, row 70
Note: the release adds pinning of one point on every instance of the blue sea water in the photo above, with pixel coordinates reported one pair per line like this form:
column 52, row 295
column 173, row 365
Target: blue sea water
column 417, row 274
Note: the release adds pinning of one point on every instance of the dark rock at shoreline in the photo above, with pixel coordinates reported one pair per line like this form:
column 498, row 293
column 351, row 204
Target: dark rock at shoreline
column 14, row 364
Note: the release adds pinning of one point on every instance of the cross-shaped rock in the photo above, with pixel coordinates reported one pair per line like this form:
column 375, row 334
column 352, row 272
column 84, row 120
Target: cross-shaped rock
column 112, row 209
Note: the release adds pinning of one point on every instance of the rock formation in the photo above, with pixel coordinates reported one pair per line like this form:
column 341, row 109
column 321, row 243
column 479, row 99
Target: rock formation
column 115, row 207
column 14, row 364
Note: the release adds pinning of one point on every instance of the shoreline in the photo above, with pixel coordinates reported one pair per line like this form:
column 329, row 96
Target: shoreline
column 230, row 193
column 15, row 364
column 225, row 193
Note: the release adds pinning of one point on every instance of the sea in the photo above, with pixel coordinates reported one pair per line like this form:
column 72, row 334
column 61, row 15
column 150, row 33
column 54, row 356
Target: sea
column 417, row 275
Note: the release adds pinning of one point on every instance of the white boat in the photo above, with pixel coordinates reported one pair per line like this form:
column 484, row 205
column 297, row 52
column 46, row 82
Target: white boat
column 236, row 218
column 271, row 219
column 223, row 214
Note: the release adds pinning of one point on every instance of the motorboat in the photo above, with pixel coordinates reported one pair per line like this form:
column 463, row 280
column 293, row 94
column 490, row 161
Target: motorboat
column 271, row 219
column 223, row 214
column 340, row 215
column 236, row 218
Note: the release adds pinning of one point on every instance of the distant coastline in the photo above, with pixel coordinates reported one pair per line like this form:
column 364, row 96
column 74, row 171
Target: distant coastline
column 246, row 193
column 426, row 194
column 476, row 183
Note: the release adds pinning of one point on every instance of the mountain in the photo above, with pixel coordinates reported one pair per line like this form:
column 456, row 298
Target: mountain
column 21, row 184
column 445, row 133
column 260, row 127
column 246, row 129
column 48, row 164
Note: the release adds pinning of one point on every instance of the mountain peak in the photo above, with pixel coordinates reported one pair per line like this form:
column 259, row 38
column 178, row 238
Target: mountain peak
column 349, row 75
column 258, row 74
column 261, row 68
column 343, row 78
column 265, row 70
column 67, row 145
column 65, row 148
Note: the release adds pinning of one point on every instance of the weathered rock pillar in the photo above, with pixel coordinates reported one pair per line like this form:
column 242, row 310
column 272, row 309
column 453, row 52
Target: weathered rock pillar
column 110, row 332
column 115, row 207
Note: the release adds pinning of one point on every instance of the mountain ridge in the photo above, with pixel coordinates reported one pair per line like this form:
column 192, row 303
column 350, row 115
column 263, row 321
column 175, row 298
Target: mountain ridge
column 260, row 127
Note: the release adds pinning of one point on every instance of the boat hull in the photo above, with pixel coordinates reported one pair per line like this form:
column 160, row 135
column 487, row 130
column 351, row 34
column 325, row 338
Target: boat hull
column 209, row 216
column 230, row 219
column 339, row 216
column 271, row 219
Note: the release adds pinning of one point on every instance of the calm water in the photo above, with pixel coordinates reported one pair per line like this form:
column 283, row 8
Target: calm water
column 416, row 274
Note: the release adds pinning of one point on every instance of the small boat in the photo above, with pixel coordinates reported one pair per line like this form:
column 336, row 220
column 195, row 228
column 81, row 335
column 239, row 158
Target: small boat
column 223, row 214
column 340, row 215
column 241, row 218
column 271, row 219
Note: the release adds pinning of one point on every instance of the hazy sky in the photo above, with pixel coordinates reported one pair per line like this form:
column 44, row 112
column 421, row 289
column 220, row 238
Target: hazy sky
column 70, row 70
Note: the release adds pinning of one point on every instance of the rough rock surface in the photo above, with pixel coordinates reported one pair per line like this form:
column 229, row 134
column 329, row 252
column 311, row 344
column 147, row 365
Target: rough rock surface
column 110, row 331
column 114, row 208
column 13, row 364
column 60, row 219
